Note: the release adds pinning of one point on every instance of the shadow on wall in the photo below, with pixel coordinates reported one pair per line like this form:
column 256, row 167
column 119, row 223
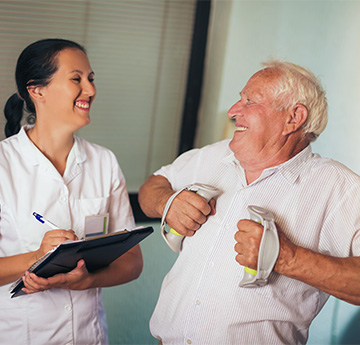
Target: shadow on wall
column 351, row 333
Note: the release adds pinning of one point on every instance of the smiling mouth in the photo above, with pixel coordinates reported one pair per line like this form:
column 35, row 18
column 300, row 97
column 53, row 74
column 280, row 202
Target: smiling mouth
column 82, row 105
column 241, row 129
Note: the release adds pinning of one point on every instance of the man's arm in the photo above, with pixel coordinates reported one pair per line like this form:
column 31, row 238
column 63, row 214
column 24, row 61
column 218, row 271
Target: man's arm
column 187, row 212
column 339, row 277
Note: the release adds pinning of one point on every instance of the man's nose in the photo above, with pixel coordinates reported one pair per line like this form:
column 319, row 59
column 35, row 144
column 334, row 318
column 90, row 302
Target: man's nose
column 234, row 110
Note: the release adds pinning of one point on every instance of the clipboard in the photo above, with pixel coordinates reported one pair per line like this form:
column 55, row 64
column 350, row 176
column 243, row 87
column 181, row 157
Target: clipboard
column 96, row 251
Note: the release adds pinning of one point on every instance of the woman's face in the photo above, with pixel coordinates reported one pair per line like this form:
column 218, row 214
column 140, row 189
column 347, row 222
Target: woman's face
column 67, row 99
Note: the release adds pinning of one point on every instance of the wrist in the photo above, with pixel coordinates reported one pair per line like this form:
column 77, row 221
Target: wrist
column 163, row 201
column 287, row 258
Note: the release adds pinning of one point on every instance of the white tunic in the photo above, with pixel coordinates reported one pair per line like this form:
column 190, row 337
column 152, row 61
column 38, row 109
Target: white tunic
column 92, row 184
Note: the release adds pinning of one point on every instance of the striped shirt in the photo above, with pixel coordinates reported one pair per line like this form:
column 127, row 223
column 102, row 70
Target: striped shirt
column 316, row 203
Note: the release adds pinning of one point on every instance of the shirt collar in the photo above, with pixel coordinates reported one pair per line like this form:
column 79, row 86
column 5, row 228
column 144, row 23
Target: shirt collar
column 290, row 169
column 35, row 156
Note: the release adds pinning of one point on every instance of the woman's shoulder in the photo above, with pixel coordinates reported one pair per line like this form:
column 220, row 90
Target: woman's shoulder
column 93, row 150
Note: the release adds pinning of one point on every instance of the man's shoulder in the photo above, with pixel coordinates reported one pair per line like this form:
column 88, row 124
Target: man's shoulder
column 328, row 167
column 219, row 148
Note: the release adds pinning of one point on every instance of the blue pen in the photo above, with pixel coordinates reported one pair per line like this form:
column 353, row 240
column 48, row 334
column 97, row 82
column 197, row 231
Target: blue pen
column 43, row 220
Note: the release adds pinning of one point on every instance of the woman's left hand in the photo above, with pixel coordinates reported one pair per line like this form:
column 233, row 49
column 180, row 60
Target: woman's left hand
column 77, row 279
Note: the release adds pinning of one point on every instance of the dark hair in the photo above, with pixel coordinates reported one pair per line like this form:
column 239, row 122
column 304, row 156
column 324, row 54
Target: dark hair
column 35, row 66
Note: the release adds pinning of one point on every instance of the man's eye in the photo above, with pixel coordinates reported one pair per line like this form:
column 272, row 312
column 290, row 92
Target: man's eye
column 91, row 80
column 76, row 79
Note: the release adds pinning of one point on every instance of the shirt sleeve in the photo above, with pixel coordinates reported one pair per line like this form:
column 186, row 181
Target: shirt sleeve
column 340, row 235
column 120, row 211
column 355, row 245
column 182, row 171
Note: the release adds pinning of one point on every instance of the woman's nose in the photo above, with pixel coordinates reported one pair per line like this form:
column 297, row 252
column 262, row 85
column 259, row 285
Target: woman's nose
column 89, row 89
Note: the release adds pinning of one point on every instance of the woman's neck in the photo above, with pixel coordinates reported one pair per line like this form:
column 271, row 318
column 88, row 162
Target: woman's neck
column 54, row 144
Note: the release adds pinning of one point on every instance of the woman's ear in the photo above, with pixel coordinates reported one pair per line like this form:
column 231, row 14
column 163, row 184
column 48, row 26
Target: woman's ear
column 36, row 93
column 296, row 118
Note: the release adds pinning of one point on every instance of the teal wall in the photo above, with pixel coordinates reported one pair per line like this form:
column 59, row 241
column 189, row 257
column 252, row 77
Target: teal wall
column 129, row 307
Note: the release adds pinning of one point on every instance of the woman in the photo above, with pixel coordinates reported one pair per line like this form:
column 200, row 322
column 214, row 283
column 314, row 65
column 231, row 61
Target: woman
column 45, row 168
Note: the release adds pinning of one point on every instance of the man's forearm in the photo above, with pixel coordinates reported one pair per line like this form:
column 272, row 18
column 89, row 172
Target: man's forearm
column 339, row 277
column 153, row 195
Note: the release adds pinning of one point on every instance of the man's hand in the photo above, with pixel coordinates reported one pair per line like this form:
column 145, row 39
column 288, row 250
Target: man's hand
column 248, row 238
column 188, row 212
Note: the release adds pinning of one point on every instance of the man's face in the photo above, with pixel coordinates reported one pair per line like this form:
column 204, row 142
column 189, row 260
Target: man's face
column 259, row 133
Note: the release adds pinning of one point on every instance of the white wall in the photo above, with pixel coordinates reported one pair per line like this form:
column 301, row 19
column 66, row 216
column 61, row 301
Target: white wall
column 320, row 35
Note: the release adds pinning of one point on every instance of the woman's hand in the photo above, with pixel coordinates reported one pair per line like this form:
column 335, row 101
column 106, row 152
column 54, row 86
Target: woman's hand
column 77, row 279
column 52, row 239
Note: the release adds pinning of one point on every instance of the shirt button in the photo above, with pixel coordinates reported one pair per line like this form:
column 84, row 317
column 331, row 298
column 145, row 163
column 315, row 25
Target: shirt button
column 189, row 341
column 63, row 199
column 198, row 302
column 68, row 307
column 227, row 226
column 243, row 191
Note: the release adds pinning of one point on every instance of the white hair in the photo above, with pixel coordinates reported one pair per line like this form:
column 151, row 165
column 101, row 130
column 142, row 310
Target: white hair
column 298, row 85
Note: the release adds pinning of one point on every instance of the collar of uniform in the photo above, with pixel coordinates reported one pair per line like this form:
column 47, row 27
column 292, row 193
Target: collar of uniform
column 33, row 154
column 289, row 169
column 27, row 146
column 80, row 154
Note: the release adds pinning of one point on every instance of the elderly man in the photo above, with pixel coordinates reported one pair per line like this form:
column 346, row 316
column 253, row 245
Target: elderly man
column 268, row 163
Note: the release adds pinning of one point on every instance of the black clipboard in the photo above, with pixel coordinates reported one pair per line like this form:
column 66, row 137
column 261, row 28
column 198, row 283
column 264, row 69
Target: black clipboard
column 97, row 252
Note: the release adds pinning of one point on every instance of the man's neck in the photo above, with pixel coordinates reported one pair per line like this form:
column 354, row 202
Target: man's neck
column 253, row 168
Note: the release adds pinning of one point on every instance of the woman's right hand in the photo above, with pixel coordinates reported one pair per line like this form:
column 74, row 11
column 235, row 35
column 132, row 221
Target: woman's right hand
column 52, row 239
column 13, row 267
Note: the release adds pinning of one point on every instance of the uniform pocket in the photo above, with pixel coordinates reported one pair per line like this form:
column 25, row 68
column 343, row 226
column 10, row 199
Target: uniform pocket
column 81, row 208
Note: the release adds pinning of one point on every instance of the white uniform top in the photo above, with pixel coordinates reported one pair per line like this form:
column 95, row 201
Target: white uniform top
column 315, row 201
column 92, row 184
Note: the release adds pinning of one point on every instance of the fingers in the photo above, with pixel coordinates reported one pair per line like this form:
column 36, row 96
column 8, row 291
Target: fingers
column 53, row 238
column 248, row 238
column 33, row 283
column 212, row 205
column 75, row 280
column 60, row 235
column 188, row 212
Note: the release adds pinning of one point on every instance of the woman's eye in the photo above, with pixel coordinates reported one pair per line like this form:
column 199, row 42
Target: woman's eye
column 76, row 79
column 91, row 80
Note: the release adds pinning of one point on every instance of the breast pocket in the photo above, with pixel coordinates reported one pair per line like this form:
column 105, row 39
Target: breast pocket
column 82, row 208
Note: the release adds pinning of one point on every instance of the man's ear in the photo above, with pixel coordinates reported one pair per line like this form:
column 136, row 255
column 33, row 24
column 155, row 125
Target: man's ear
column 296, row 118
column 36, row 92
